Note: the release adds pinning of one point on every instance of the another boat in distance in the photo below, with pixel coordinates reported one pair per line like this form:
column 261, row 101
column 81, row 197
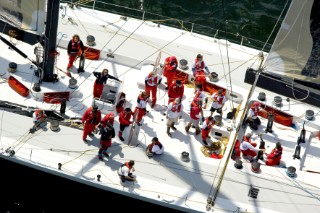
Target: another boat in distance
column 243, row 166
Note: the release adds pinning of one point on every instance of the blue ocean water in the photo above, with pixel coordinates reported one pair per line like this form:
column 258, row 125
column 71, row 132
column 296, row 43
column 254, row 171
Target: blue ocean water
column 26, row 190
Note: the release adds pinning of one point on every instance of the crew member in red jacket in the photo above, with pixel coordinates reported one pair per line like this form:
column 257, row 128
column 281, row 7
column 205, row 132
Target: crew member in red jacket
column 176, row 90
column 198, row 69
column 152, row 81
column 206, row 128
column 170, row 67
column 275, row 156
column 124, row 121
column 75, row 48
column 195, row 112
column 108, row 118
column 141, row 108
column 91, row 118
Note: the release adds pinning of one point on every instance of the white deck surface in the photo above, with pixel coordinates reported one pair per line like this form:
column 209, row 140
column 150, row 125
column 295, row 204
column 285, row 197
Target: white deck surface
column 164, row 179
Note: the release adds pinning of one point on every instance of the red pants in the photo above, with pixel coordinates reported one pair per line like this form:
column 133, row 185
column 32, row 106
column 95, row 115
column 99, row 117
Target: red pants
column 170, row 75
column 97, row 90
column 205, row 134
column 249, row 152
column 140, row 112
column 105, row 144
column 153, row 90
column 72, row 58
column 87, row 129
column 272, row 161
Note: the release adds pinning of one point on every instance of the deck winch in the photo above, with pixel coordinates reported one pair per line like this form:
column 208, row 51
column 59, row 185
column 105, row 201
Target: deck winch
column 12, row 67
column 309, row 115
column 185, row 157
column 291, row 171
column 277, row 101
column 183, row 64
column 262, row 96
column 91, row 40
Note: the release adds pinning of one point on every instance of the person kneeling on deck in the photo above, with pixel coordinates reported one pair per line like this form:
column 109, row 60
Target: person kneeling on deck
column 247, row 147
column 125, row 171
column 39, row 120
column 155, row 148
column 275, row 156
column 174, row 112
column 252, row 117
column 107, row 133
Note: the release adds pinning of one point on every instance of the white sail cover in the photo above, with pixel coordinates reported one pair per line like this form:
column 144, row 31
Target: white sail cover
column 293, row 44
column 27, row 15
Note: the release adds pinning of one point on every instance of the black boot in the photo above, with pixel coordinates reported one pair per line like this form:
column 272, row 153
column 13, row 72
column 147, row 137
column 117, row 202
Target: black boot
column 168, row 131
column 172, row 126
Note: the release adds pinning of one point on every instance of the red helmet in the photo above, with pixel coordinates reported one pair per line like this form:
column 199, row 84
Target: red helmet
column 256, row 104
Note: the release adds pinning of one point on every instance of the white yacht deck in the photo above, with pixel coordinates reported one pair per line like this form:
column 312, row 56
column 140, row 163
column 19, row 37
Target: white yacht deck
column 165, row 179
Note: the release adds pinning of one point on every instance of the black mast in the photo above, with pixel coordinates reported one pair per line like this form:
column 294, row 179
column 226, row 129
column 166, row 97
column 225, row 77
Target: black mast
column 50, row 39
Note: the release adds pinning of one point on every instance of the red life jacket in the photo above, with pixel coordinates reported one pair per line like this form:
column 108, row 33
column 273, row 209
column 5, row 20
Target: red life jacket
column 255, row 110
column 175, row 107
column 199, row 66
column 75, row 46
column 209, row 123
column 218, row 98
column 127, row 165
column 38, row 115
column 246, row 139
column 152, row 79
column 195, row 110
column 198, row 93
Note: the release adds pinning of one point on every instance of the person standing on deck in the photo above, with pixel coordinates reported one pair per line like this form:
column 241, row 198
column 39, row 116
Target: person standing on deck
column 175, row 90
column 141, row 108
column 195, row 112
column 124, row 121
column 121, row 102
column 107, row 133
column 101, row 79
column 75, row 48
column 152, row 81
column 174, row 112
column 170, row 68
column 206, row 128
column 198, row 71
column 218, row 101
column 126, row 170
column 108, row 118
column 90, row 119
column 200, row 94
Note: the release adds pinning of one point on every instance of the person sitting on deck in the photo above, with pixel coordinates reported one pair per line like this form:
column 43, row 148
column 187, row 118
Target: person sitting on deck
column 247, row 147
column 39, row 120
column 125, row 171
column 275, row 156
column 101, row 79
column 252, row 117
column 155, row 148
